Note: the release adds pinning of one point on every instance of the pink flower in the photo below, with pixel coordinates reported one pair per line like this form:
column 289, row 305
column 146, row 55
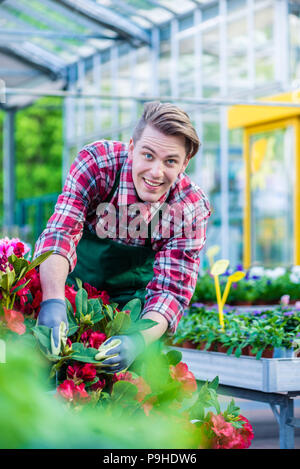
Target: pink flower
column 285, row 299
column 297, row 305
column 13, row 246
column 15, row 321
column 181, row 373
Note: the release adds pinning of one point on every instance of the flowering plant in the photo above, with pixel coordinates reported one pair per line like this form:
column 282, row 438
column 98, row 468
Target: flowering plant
column 259, row 286
column 158, row 384
column 20, row 290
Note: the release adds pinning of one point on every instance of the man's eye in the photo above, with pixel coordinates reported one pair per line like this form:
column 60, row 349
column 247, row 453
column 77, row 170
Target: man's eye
column 148, row 156
column 171, row 161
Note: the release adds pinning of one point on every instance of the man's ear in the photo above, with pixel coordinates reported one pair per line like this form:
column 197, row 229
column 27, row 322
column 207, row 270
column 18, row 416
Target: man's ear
column 186, row 162
column 130, row 149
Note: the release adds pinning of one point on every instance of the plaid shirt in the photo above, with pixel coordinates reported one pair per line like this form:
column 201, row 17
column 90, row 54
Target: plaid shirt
column 90, row 180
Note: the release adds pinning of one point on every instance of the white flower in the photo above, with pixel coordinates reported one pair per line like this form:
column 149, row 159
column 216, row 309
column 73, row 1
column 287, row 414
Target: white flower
column 256, row 271
column 294, row 278
column 275, row 273
column 296, row 270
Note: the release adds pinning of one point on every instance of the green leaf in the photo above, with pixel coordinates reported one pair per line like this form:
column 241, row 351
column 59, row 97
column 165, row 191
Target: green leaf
column 7, row 280
column 95, row 309
column 43, row 335
column 81, row 303
column 16, row 289
column 140, row 325
column 73, row 325
column 18, row 264
column 123, row 391
column 38, row 260
column 174, row 357
column 84, row 354
column 135, row 307
column 214, row 383
column 78, row 283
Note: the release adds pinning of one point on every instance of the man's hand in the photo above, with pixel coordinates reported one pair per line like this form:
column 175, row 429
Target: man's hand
column 53, row 314
column 120, row 351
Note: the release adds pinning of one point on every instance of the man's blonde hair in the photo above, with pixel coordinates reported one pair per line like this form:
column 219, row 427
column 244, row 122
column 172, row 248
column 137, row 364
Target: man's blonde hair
column 170, row 120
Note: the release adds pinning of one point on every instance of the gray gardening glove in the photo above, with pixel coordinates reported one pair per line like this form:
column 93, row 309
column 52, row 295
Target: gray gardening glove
column 120, row 351
column 53, row 314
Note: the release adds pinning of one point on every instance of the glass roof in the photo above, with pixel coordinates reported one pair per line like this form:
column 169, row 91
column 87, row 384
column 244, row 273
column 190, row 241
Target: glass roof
column 44, row 37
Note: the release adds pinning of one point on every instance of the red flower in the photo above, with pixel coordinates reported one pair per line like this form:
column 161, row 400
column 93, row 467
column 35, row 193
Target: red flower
column 96, row 339
column 19, row 249
column 181, row 373
column 86, row 372
column 15, row 321
column 92, row 339
column 70, row 294
column 227, row 436
column 104, row 297
column 72, row 392
column 127, row 376
column 99, row 385
column 94, row 293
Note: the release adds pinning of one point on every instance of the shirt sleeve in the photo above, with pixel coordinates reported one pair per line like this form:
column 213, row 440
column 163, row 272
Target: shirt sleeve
column 176, row 268
column 64, row 228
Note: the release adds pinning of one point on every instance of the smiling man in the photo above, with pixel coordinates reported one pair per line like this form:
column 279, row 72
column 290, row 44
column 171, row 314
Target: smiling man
column 145, row 175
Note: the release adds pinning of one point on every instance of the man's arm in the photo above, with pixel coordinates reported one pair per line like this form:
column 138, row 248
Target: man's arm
column 157, row 331
column 53, row 276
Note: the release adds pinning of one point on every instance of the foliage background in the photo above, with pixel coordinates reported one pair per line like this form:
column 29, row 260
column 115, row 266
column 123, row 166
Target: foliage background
column 39, row 147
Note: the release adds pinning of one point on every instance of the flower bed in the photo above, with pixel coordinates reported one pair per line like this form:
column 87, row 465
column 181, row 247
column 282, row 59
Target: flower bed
column 259, row 286
column 258, row 332
column 159, row 385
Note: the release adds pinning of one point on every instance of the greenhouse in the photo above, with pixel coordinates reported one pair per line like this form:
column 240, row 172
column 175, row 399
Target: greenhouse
column 76, row 73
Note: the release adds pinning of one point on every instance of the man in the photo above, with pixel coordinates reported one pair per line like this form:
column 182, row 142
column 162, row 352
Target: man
column 126, row 258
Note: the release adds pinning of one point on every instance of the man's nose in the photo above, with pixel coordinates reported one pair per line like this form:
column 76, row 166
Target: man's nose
column 157, row 169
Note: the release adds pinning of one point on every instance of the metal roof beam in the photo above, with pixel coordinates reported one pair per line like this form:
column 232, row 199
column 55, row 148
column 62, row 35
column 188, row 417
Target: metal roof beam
column 36, row 57
column 15, row 33
column 33, row 53
column 79, row 20
column 31, row 12
column 132, row 11
column 102, row 15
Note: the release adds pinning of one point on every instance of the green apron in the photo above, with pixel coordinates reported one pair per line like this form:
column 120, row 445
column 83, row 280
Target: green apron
column 121, row 270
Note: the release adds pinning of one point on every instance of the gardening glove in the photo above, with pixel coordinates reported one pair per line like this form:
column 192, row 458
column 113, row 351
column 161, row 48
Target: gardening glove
column 53, row 314
column 120, row 351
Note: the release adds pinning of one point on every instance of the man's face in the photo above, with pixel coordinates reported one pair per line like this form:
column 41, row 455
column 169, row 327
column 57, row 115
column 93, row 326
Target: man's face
column 157, row 161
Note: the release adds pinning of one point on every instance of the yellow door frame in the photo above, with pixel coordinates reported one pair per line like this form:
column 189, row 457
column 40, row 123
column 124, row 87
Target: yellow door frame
column 248, row 132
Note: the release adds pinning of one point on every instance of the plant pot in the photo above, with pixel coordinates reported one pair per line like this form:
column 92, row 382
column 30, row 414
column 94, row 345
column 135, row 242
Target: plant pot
column 222, row 348
column 268, row 352
column 188, row 344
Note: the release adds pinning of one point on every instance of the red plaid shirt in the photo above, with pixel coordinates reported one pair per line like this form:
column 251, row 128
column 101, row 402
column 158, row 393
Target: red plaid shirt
column 90, row 180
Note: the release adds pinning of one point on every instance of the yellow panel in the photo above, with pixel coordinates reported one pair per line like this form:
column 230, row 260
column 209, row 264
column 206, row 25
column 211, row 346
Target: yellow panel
column 297, row 195
column 249, row 167
column 247, row 116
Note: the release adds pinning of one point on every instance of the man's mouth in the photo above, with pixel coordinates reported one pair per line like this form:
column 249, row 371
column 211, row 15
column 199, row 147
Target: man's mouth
column 152, row 183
